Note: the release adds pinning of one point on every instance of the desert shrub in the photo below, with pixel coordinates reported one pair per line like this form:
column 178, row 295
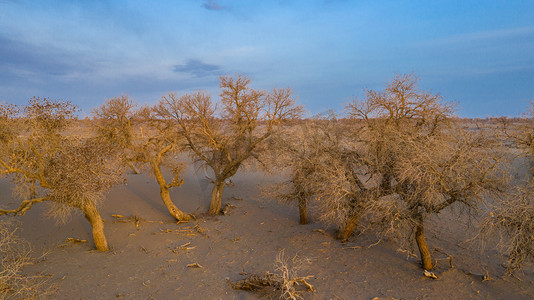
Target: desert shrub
column 319, row 158
column 144, row 141
column 285, row 280
column 15, row 253
column 222, row 137
column 512, row 217
column 523, row 135
column 424, row 162
column 46, row 165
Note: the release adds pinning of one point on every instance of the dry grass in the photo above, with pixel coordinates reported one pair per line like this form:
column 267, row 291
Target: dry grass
column 15, row 254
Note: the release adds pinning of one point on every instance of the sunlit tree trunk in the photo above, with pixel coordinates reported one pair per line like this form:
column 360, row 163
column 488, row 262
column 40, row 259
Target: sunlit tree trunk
column 426, row 258
column 345, row 230
column 216, row 197
column 93, row 216
column 302, row 211
column 166, row 197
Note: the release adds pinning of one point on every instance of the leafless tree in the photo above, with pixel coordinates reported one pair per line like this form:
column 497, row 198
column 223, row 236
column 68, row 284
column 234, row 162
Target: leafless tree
column 46, row 165
column 416, row 162
column 145, row 140
column 310, row 153
column 114, row 123
column 223, row 136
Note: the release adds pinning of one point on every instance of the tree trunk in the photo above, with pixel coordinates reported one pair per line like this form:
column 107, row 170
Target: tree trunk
column 93, row 216
column 133, row 167
column 216, row 197
column 426, row 259
column 166, row 196
column 302, row 211
column 345, row 231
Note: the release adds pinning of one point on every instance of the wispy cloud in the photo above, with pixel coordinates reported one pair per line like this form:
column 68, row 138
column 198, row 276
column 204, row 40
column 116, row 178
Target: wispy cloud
column 19, row 57
column 213, row 5
column 197, row 68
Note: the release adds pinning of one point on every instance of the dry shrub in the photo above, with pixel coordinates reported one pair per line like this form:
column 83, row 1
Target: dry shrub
column 512, row 215
column 306, row 153
column 512, row 218
column 423, row 161
column 284, row 281
column 15, row 254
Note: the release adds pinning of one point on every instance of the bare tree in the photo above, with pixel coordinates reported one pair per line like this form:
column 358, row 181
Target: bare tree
column 45, row 165
column 310, row 153
column 114, row 122
column 223, row 136
column 144, row 140
column 417, row 160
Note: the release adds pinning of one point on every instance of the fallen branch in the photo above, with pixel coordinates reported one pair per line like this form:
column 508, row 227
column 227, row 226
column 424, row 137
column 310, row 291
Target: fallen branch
column 183, row 247
column 285, row 281
column 76, row 241
column 130, row 219
column 276, row 282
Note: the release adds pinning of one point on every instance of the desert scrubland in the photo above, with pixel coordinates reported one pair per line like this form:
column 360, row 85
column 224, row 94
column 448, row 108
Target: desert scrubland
column 393, row 198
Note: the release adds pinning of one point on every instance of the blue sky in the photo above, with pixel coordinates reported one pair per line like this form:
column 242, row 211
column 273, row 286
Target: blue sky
column 479, row 54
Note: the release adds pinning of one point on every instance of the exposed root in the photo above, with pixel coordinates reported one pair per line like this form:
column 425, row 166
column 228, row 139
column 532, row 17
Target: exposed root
column 430, row 274
column 449, row 257
column 226, row 208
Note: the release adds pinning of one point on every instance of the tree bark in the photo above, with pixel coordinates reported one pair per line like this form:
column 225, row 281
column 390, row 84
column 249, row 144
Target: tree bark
column 345, row 230
column 302, row 211
column 93, row 216
column 216, row 198
column 426, row 258
column 166, row 196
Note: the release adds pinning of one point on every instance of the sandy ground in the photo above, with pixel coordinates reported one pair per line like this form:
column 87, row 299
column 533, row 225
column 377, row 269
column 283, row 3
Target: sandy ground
column 147, row 262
